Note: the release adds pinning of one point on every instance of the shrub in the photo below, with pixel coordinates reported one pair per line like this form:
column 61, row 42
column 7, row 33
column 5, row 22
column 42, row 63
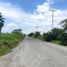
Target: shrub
column 9, row 41
column 4, row 50
column 53, row 34
column 56, row 32
column 48, row 37
column 63, row 39
column 37, row 34
column 31, row 35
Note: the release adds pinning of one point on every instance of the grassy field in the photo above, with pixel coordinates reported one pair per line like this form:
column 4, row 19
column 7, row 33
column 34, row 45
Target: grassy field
column 8, row 41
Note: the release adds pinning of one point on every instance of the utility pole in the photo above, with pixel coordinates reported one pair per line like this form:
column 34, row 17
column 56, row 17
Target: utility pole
column 53, row 17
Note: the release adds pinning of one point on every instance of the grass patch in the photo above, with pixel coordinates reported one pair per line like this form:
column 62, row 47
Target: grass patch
column 4, row 50
column 57, row 41
column 8, row 41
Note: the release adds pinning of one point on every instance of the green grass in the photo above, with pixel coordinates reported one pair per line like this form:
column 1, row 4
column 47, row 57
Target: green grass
column 57, row 41
column 4, row 50
column 8, row 41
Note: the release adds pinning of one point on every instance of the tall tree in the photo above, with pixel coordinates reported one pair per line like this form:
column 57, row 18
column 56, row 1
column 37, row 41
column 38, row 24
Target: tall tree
column 1, row 22
column 37, row 34
column 64, row 24
column 17, row 31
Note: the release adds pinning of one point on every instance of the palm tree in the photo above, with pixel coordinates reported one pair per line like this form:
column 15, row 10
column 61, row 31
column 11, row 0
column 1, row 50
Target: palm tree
column 64, row 24
column 1, row 22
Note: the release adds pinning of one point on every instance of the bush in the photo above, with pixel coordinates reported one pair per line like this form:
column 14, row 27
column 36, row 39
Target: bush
column 37, row 34
column 53, row 34
column 31, row 35
column 63, row 39
column 9, row 41
column 4, row 50
column 48, row 37
column 56, row 32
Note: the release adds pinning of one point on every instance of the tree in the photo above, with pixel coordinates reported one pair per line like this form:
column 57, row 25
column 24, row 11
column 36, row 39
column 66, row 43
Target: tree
column 37, row 34
column 31, row 34
column 1, row 22
column 63, row 39
column 64, row 24
column 17, row 31
column 56, row 33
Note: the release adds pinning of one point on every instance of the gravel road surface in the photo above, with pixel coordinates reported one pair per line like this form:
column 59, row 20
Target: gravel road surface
column 35, row 53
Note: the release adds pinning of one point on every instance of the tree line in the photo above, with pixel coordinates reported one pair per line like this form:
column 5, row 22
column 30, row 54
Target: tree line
column 56, row 35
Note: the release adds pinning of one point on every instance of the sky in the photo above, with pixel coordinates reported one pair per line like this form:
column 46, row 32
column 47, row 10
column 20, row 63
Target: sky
column 32, row 15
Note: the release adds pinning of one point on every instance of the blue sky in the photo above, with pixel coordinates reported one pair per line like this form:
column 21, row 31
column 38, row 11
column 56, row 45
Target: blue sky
column 30, row 5
column 60, row 4
column 27, row 14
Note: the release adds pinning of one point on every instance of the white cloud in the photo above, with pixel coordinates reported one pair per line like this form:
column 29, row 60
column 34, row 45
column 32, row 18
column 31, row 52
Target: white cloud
column 43, row 7
column 44, row 15
column 18, row 18
column 12, row 12
column 10, row 26
column 14, row 16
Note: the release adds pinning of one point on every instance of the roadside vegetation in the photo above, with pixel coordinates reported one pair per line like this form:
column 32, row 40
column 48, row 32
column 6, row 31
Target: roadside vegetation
column 9, row 40
column 56, row 35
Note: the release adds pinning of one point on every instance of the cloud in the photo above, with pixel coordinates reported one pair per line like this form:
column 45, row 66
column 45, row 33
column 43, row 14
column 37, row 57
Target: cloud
column 10, row 26
column 14, row 16
column 12, row 12
column 41, row 17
